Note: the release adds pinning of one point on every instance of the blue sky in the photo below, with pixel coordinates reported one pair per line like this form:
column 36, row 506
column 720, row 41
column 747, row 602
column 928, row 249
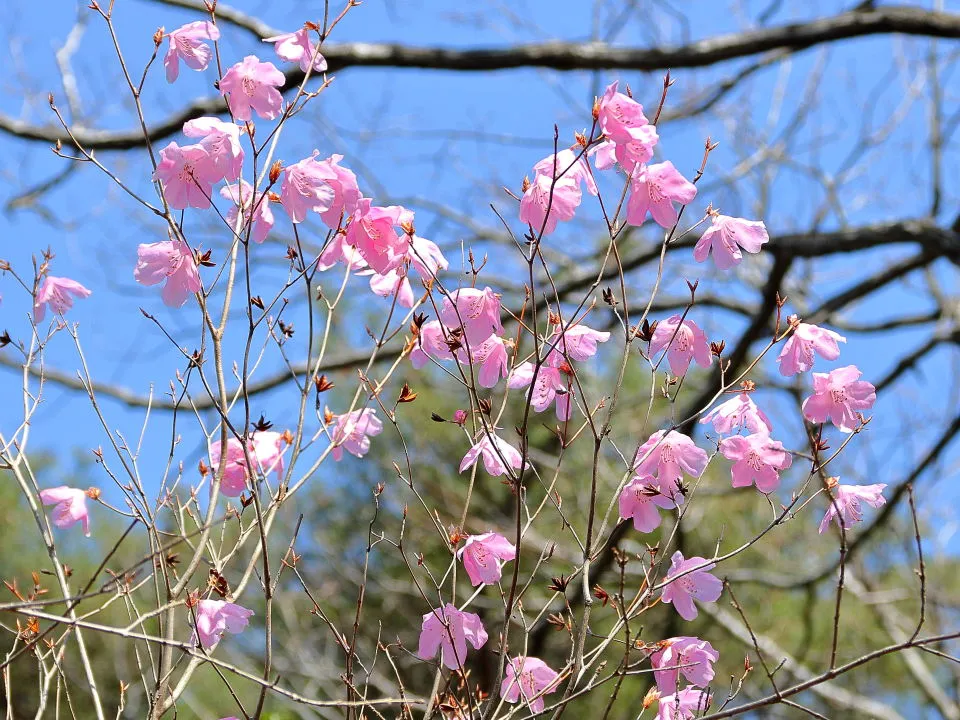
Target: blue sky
column 425, row 137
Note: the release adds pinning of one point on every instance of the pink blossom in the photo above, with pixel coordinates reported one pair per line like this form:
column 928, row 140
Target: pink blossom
column 683, row 587
column 186, row 43
column 477, row 311
column 252, row 85
column 305, row 188
column 426, row 257
column 640, row 499
column 689, row 703
column 266, row 454
column 798, row 351
column 630, row 153
column 655, row 189
column 431, row 343
column 726, row 236
column 58, row 294
column 373, row 232
column 346, row 192
column 449, row 630
column 667, row 456
column 529, row 679
column 297, row 47
column 757, row 459
column 172, row 262
column 339, row 250
column 847, row 499
column 736, row 413
column 395, row 282
column 496, row 452
column 837, row 395
column 567, row 164
column 619, row 114
column 684, row 341
column 578, row 343
column 549, row 384
column 240, row 196
column 491, row 356
column 234, row 479
column 71, row 507
column 221, row 140
column 187, row 175
column 546, row 201
column 688, row 656
column 214, row 617
column 483, row 557
column 353, row 432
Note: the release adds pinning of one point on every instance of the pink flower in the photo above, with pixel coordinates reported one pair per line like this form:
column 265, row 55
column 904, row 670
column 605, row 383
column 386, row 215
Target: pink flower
column 491, row 356
column 688, row 656
column 338, row 250
column 757, row 459
column 477, row 311
column 497, row 455
column 631, row 153
column 234, row 480
column 682, row 589
column 431, row 343
column 297, row 47
column 847, row 501
column 393, row 283
column 619, row 114
column 71, row 507
column 546, row 201
column 567, row 164
column 654, row 189
column 666, row 457
column 58, row 294
column 252, row 85
column 353, row 432
column 221, row 140
column 736, row 413
column 305, row 188
column 483, row 557
column 186, row 43
column 241, row 196
column 426, row 257
column 689, row 703
column 214, row 617
column 797, row 353
column 266, row 454
column 187, row 175
column 837, row 395
column 549, row 385
column 640, row 500
column 684, row 341
column 529, row 679
column 725, row 238
column 346, row 193
column 172, row 262
column 449, row 630
column 578, row 343
column 373, row 232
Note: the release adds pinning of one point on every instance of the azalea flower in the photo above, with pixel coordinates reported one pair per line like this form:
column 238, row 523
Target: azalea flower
column 346, row 192
column 683, row 587
column 655, row 189
column 187, row 175
column 546, row 201
column 491, row 357
column 684, row 341
column 448, row 630
column 567, row 164
column 476, row 311
column 214, row 617
column 170, row 262
column 353, row 432
column 618, row 114
column 689, row 703
column 187, row 44
column 297, row 47
column 549, row 384
column 221, row 140
column 252, row 85
column 483, row 557
column 726, row 236
column 578, row 342
column 266, row 454
column 688, row 656
column 71, row 506
column 738, row 412
column 240, row 196
column 393, row 283
column 529, row 679
column 846, row 501
column 431, row 343
column 58, row 294
column 305, row 187
column 491, row 451
column 667, row 456
column 798, row 352
column 640, row 501
column 757, row 459
column 837, row 395
column 372, row 231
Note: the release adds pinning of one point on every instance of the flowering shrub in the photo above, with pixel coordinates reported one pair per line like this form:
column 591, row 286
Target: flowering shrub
column 218, row 576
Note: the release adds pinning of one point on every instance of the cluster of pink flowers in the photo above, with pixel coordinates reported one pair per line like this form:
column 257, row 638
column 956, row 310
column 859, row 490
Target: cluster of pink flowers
column 266, row 449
